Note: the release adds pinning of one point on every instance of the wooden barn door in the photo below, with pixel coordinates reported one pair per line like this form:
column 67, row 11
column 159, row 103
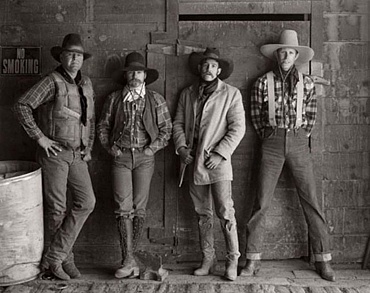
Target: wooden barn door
column 286, row 235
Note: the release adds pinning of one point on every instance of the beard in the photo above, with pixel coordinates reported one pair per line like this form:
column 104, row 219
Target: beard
column 134, row 83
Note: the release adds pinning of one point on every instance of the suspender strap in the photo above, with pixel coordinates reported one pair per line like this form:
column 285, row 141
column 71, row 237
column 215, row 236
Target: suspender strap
column 271, row 98
column 298, row 121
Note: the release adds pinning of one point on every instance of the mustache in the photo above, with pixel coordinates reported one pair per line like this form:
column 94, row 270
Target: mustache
column 135, row 80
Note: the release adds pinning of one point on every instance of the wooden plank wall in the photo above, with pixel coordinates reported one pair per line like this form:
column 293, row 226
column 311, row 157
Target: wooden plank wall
column 111, row 28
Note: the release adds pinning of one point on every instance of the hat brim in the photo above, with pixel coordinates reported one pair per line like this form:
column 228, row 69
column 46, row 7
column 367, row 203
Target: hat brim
column 305, row 53
column 57, row 50
column 151, row 74
column 226, row 65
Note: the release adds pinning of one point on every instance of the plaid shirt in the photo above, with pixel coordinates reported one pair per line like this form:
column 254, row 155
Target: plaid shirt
column 284, row 104
column 134, row 133
column 109, row 113
column 41, row 93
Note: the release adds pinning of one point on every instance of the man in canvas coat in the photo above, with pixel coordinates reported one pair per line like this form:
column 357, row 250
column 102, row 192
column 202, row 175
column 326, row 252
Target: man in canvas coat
column 208, row 126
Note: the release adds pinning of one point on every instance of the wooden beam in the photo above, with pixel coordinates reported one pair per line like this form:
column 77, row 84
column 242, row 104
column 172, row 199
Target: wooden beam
column 317, row 24
column 172, row 16
column 252, row 7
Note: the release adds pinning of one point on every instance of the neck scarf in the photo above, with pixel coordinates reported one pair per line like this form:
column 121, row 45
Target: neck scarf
column 135, row 93
column 291, row 77
column 206, row 88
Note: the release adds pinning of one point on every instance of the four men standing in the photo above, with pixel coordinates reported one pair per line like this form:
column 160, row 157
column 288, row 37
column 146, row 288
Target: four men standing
column 208, row 126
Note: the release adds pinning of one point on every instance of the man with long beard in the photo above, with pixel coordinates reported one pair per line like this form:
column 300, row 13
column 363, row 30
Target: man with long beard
column 134, row 125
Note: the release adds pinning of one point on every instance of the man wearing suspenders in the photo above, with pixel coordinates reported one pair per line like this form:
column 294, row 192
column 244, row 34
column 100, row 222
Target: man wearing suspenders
column 283, row 112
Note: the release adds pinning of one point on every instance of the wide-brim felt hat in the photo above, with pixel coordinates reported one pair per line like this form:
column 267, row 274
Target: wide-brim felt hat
column 71, row 43
column 196, row 58
column 289, row 39
column 135, row 62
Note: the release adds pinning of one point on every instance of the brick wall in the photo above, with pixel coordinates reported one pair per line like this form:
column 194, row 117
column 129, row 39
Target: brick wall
column 346, row 119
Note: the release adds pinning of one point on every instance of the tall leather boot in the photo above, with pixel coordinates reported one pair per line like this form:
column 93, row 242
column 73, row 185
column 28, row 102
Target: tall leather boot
column 129, row 266
column 209, row 260
column 138, row 223
column 232, row 250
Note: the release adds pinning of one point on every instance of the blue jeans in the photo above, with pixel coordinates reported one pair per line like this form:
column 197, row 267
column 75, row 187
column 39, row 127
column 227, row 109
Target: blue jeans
column 67, row 169
column 132, row 174
column 291, row 147
column 219, row 193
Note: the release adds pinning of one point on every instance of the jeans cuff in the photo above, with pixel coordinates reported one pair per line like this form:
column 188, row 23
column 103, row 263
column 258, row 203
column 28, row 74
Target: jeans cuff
column 322, row 257
column 254, row 255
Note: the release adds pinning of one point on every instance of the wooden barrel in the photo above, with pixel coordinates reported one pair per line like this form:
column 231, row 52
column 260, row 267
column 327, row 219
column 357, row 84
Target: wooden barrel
column 21, row 221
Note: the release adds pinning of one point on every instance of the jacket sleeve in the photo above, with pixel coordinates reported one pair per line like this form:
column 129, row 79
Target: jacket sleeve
column 92, row 125
column 164, row 124
column 235, row 127
column 106, row 122
column 179, row 136
column 257, row 113
column 40, row 93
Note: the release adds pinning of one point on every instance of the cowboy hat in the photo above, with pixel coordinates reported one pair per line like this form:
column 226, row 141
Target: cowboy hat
column 288, row 39
column 71, row 43
column 135, row 62
column 196, row 58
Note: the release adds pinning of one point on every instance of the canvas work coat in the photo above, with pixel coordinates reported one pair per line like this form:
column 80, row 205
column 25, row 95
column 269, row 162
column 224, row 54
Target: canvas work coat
column 221, row 129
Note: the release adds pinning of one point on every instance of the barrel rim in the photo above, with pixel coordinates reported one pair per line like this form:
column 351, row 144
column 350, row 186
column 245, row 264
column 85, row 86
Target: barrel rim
column 23, row 176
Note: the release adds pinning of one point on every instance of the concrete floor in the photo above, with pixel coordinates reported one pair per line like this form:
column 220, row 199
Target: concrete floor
column 288, row 276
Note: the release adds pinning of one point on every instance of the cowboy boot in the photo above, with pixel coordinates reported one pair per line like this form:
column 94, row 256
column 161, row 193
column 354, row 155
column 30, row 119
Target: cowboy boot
column 48, row 266
column 209, row 260
column 232, row 250
column 129, row 266
column 138, row 223
column 324, row 269
column 52, row 266
column 70, row 268
column 251, row 268
column 53, row 226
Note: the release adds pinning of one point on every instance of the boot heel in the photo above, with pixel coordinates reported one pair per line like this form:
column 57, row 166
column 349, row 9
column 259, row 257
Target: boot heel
column 134, row 273
column 213, row 268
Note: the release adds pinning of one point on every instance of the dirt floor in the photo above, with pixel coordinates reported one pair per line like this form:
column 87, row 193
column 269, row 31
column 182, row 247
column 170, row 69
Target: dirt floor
column 288, row 276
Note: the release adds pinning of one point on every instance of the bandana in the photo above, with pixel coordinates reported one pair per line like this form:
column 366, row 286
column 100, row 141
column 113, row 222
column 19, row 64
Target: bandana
column 135, row 93
column 206, row 88
column 291, row 77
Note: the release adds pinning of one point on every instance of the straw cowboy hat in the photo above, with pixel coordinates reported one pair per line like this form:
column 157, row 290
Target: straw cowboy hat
column 196, row 58
column 71, row 43
column 288, row 39
column 135, row 62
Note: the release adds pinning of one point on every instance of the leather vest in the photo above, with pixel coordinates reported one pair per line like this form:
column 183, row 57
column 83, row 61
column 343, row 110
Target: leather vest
column 60, row 119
